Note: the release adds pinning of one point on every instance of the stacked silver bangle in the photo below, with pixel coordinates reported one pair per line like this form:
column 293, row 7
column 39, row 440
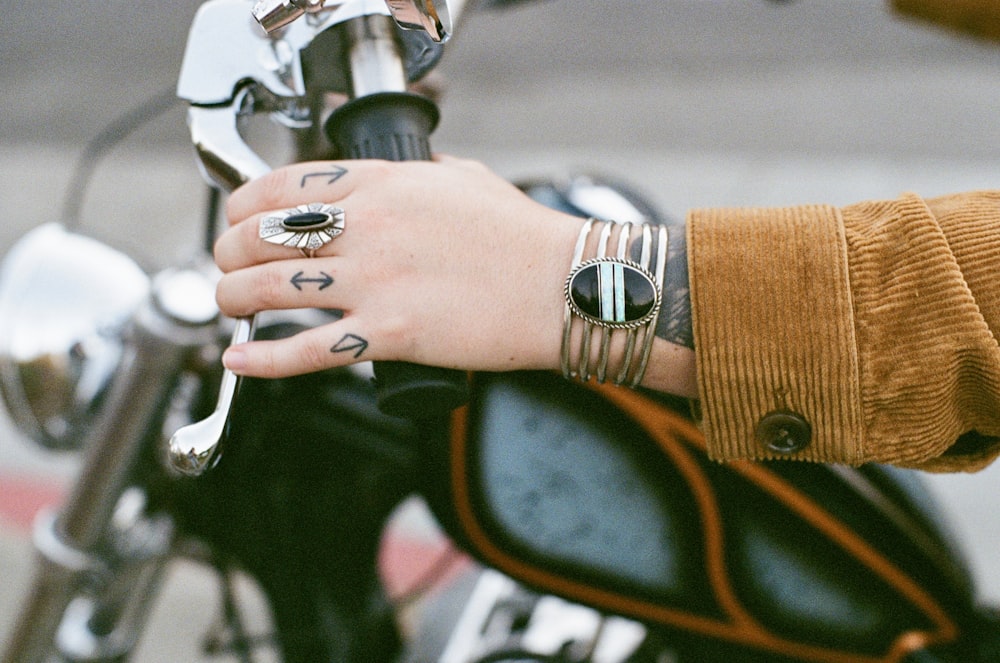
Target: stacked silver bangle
column 612, row 293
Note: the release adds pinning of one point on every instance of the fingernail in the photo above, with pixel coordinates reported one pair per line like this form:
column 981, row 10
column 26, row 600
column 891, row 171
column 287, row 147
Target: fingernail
column 235, row 360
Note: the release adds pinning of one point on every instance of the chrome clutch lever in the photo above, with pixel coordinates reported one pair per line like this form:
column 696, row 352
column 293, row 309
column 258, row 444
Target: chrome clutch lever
column 226, row 161
column 223, row 54
column 194, row 448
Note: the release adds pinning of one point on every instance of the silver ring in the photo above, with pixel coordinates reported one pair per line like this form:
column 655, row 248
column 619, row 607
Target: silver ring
column 306, row 227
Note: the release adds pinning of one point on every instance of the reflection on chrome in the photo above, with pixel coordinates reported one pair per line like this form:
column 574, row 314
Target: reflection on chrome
column 63, row 301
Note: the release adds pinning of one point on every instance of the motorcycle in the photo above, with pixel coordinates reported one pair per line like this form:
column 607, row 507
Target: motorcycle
column 601, row 530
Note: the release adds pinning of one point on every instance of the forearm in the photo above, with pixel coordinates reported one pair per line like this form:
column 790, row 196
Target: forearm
column 871, row 324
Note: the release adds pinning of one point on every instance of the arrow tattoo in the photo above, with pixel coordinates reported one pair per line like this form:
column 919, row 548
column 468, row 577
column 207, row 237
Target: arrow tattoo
column 350, row 342
column 325, row 280
column 334, row 175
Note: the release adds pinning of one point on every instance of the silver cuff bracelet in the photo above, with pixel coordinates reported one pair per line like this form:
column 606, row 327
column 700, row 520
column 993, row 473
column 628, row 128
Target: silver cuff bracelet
column 613, row 293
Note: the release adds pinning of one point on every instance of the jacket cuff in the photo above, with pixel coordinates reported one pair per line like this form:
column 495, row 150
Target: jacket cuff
column 773, row 322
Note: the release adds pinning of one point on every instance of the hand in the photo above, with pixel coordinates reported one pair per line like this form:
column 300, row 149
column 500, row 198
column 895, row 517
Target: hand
column 440, row 263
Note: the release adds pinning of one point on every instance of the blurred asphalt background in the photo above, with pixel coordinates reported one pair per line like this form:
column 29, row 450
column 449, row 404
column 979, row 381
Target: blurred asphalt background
column 698, row 102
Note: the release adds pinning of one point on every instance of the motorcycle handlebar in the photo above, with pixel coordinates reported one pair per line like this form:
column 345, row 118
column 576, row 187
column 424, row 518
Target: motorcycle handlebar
column 396, row 126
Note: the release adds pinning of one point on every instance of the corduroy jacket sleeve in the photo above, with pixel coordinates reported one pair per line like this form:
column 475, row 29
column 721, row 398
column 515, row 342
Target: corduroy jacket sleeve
column 872, row 324
column 977, row 18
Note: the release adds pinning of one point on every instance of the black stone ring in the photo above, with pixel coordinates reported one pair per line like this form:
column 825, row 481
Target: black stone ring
column 306, row 227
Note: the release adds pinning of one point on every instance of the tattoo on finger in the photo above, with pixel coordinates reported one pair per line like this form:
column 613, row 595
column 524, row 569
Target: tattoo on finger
column 350, row 343
column 324, row 280
column 332, row 175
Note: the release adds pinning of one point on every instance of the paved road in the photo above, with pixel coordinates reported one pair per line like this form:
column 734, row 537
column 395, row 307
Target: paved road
column 700, row 102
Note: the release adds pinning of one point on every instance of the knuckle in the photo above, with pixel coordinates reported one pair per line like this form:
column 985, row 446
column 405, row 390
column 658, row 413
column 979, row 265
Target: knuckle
column 234, row 207
column 269, row 286
column 221, row 254
column 398, row 338
column 246, row 236
column 314, row 356
column 230, row 301
column 265, row 193
column 222, row 298
column 383, row 170
column 473, row 164
column 234, row 248
column 268, row 365
column 272, row 190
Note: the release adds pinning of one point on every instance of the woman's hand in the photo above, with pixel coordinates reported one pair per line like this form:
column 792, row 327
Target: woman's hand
column 440, row 263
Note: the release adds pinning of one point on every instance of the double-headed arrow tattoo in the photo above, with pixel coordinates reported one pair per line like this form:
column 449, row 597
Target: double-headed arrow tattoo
column 325, row 280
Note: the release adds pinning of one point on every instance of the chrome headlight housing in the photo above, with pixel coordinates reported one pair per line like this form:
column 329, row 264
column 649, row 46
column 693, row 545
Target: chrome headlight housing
column 64, row 302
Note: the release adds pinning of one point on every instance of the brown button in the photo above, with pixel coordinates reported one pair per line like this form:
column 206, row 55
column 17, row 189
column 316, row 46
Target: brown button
column 784, row 432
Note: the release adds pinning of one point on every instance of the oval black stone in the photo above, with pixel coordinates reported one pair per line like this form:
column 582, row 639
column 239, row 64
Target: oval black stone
column 307, row 221
column 627, row 297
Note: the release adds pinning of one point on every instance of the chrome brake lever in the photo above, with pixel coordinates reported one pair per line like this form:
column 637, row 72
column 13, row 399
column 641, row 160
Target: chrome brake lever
column 228, row 67
column 194, row 448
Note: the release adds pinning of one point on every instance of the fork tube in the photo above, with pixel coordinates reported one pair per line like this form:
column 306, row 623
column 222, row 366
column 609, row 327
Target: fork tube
column 68, row 550
column 139, row 401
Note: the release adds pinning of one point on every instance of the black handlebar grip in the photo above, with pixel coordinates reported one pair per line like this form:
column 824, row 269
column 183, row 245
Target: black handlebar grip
column 396, row 126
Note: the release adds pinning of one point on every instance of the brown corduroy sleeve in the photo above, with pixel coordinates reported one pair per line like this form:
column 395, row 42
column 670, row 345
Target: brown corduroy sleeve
column 861, row 320
column 977, row 18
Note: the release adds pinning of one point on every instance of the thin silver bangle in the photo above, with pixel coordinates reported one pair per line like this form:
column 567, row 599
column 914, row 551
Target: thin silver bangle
column 662, row 247
column 581, row 245
column 633, row 333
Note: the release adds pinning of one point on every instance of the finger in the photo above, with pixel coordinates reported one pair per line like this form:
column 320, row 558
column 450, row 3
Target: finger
column 337, row 344
column 240, row 246
column 326, row 181
column 287, row 284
